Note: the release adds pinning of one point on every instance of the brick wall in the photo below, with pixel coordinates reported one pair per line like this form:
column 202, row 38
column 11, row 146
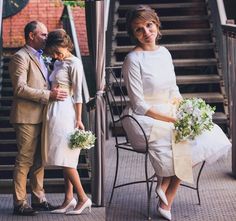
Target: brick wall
column 48, row 12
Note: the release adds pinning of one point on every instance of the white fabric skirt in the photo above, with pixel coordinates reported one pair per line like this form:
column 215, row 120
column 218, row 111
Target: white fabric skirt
column 59, row 124
column 209, row 146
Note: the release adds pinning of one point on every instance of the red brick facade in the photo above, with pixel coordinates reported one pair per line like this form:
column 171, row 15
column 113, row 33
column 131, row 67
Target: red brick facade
column 47, row 11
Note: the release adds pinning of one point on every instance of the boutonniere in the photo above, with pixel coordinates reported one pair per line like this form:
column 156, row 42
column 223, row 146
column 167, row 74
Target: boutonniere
column 47, row 60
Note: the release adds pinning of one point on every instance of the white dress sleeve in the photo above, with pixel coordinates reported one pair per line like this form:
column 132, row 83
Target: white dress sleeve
column 131, row 72
column 76, row 75
column 174, row 90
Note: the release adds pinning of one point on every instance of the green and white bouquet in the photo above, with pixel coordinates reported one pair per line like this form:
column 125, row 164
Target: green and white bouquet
column 82, row 139
column 193, row 117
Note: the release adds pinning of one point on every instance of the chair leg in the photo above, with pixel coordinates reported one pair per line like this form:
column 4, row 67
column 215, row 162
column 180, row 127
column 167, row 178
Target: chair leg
column 114, row 183
column 197, row 186
column 148, row 189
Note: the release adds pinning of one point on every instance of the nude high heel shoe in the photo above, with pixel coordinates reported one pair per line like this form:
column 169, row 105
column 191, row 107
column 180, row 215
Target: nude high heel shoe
column 164, row 213
column 71, row 205
column 87, row 204
column 161, row 194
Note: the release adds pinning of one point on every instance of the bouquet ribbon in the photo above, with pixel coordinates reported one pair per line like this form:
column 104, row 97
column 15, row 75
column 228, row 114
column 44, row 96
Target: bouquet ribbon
column 182, row 157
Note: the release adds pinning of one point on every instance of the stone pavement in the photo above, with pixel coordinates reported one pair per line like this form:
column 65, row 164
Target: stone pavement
column 217, row 192
column 97, row 214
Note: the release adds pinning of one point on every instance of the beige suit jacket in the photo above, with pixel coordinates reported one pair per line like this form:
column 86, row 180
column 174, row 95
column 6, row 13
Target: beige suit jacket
column 30, row 93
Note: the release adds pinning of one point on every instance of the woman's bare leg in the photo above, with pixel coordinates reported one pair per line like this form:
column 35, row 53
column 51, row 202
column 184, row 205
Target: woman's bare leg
column 74, row 178
column 171, row 192
column 165, row 183
column 68, row 191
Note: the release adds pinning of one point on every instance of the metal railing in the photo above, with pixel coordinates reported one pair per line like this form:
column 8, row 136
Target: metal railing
column 229, row 32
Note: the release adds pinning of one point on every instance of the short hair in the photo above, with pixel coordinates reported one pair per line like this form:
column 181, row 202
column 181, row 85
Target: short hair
column 58, row 38
column 143, row 13
column 30, row 27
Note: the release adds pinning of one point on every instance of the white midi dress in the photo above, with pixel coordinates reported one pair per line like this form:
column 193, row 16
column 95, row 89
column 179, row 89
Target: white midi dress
column 150, row 81
column 60, row 117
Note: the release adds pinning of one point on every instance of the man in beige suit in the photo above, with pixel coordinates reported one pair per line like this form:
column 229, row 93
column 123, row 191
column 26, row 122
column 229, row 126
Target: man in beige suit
column 31, row 92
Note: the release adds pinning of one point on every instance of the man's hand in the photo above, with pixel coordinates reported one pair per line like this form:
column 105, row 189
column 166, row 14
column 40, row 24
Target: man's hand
column 58, row 94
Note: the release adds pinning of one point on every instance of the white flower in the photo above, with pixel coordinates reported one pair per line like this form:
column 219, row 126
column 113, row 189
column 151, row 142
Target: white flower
column 82, row 139
column 47, row 60
column 193, row 117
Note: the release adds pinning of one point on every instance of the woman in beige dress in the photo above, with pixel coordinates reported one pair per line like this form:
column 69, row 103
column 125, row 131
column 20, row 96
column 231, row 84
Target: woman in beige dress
column 150, row 80
column 62, row 117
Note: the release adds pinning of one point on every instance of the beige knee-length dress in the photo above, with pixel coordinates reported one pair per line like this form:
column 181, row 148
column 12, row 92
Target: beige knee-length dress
column 60, row 117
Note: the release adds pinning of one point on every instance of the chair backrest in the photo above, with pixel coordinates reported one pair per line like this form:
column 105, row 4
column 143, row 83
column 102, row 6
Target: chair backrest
column 115, row 96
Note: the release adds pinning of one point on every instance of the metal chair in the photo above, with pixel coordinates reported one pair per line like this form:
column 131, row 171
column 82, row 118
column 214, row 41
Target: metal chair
column 116, row 101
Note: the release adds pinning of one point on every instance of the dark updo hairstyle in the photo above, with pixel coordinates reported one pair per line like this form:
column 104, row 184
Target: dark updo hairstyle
column 142, row 13
column 58, row 38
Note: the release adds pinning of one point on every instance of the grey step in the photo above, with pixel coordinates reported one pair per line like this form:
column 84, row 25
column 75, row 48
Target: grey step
column 11, row 141
column 189, row 79
column 209, row 97
column 6, row 98
column 11, row 167
column 6, row 130
column 4, row 118
column 8, row 154
column 172, row 47
column 196, row 31
column 5, row 108
column 7, row 89
column 174, row 18
column 197, row 79
column 186, row 62
column 168, row 5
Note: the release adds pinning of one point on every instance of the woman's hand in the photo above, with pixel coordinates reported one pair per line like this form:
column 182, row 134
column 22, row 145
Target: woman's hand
column 176, row 101
column 79, row 124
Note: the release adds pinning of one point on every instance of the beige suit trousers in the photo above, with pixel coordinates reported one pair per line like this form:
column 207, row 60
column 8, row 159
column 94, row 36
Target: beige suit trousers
column 28, row 161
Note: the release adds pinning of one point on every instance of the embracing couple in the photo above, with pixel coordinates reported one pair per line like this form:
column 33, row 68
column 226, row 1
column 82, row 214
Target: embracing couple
column 46, row 106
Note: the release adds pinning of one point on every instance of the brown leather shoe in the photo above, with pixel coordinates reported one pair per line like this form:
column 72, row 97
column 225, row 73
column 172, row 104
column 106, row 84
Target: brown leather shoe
column 44, row 206
column 24, row 210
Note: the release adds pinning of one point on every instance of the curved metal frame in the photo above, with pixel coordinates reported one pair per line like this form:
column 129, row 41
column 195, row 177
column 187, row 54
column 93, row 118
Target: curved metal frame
column 197, row 183
column 127, row 146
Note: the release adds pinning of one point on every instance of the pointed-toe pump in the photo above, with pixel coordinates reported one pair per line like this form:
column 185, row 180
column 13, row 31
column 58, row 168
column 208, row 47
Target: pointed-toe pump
column 165, row 213
column 71, row 205
column 87, row 204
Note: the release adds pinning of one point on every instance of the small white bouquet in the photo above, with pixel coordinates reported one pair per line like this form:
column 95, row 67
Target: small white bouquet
column 82, row 139
column 193, row 117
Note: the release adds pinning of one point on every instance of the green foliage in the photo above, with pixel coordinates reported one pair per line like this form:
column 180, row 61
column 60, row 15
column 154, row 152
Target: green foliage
column 193, row 117
column 74, row 3
column 82, row 139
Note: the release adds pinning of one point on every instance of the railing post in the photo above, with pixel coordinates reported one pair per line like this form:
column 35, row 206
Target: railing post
column 230, row 43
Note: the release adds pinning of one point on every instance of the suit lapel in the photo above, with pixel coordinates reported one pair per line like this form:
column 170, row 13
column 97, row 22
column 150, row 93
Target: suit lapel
column 35, row 60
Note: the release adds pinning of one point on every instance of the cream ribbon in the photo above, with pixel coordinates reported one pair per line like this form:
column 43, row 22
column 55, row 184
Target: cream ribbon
column 182, row 157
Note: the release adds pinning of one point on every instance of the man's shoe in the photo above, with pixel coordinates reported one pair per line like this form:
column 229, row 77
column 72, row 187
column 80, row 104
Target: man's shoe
column 24, row 210
column 44, row 206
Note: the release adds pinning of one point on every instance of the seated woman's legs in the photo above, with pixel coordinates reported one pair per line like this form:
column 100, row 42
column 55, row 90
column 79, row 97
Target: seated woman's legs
column 170, row 186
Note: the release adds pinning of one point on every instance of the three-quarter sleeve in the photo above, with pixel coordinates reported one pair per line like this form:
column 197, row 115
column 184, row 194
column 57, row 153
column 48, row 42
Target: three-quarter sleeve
column 174, row 89
column 133, row 82
column 77, row 74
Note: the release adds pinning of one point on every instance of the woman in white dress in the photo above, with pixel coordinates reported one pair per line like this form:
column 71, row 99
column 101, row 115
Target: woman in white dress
column 61, row 119
column 150, row 80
